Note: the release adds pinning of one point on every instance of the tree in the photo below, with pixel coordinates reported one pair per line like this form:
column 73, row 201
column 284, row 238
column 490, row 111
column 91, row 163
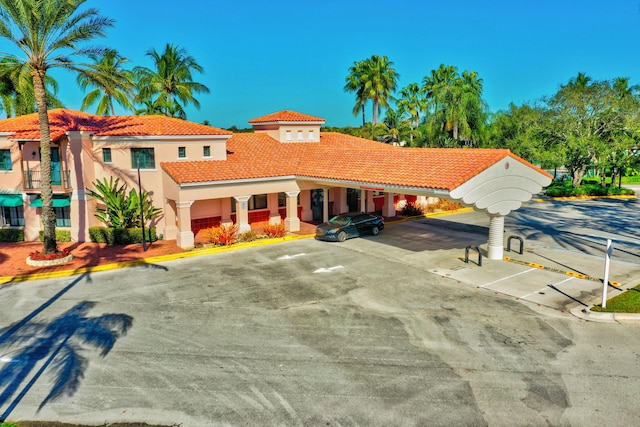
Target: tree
column 412, row 103
column 48, row 34
column 110, row 82
column 168, row 87
column 457, row 112
column 393, row 129
column 355, row 83
column 596, row 121
column 16, row 89
column 372, row 79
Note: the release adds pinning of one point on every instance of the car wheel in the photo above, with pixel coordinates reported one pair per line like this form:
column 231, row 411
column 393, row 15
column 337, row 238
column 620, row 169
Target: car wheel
column 375, row 230
column 342, row 236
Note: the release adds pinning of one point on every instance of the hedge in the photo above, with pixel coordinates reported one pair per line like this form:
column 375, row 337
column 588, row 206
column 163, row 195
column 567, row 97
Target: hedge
column 61, row 235
column 124, row 236
column 11, row 235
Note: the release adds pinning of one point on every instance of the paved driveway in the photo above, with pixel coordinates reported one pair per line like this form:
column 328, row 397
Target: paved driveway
column 307, row 333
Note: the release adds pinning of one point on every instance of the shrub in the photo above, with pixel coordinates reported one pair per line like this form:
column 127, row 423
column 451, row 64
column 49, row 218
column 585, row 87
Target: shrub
column 447, row 205
column 225, row 235
column 11, row 235
column 61, row 235
column 248, row 236
column 411, row 209
column 275, row 230
column 123, row 236
column 586, row 190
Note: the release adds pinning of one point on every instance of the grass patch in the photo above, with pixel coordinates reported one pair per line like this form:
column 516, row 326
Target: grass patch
column 626, row 302
column 564, row 189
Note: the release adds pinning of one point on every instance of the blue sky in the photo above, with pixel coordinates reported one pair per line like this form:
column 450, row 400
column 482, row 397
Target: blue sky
column 264, row 56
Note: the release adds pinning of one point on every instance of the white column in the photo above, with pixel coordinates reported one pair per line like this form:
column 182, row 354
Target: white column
column 370, row 206
column 184, row 236
column 363, row 200
column 325, row 204
column 388, row 209
column 242, row 213
column 340, row 201
column 496, row 237
column 292, row 222
column 170, row 222
column 272, row 203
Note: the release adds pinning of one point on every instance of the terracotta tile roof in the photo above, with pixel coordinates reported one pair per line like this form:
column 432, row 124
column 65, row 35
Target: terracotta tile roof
column 340, row 157
column 286, row 116
column 63, row 120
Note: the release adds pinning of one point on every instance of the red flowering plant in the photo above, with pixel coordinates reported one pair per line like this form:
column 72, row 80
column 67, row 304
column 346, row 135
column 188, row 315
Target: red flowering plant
column 36, row 255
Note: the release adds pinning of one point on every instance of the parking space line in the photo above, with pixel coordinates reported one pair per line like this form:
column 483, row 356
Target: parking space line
column 542, row 289
column 508, row 277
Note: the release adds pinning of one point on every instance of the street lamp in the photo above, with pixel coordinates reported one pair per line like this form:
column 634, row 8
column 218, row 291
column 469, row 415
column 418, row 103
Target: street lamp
column 144, row 241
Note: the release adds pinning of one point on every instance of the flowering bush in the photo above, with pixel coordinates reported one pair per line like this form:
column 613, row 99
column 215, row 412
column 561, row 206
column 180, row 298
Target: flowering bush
column 275, row 230
column 36, row 255
column 224, row 235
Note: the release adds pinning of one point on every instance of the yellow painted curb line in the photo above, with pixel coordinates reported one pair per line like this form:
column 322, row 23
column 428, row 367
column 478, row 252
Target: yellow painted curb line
column 190, row 254
column 568, row 273
column 150, row 260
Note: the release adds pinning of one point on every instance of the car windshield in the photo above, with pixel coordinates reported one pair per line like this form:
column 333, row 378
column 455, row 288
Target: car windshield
column 340, row 220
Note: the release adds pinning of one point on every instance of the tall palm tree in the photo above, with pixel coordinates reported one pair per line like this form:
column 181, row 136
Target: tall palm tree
column 380, row 81
column 355, row 83
column 412, row 103
column 169, row 86
column 110, row 81
column 48, row 34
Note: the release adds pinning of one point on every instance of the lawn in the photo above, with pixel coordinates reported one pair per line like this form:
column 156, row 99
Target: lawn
column 626, row 302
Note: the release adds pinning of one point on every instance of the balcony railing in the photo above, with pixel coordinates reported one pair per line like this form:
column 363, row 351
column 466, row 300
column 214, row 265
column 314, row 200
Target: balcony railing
column 60, row 180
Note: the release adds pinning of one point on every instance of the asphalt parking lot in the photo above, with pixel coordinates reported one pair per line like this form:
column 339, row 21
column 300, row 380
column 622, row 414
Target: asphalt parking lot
column 372, row 331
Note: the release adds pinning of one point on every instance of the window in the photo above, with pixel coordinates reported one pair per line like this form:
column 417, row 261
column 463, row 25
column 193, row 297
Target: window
column 300, row 138
column 182, row 152
column 145, row 156
column 288, row 136
column 311, row 135
column 282, row 200
column 12, row 216
column 206, row 151
column 63, row 216
column 257, row 201
column 106, row 155
column 5, row 160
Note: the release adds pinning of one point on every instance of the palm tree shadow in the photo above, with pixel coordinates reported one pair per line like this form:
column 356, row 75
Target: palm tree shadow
column 54, row 347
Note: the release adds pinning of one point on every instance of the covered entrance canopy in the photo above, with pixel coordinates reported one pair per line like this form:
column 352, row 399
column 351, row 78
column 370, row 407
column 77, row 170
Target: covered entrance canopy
column 492, row 180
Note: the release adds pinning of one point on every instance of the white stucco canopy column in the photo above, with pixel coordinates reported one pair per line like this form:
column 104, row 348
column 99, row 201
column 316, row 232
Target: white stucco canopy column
column 292, row 222
column 242, row 213
column 388, row 208
column 184, row 237
column 325, row 204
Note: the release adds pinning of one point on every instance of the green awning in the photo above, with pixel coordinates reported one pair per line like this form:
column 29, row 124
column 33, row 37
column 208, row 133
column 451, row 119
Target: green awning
column 57, row 202
column 11, row 200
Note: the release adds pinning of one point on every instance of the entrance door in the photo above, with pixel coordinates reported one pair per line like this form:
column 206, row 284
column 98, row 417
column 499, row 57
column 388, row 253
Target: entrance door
column 352, row 199
column 317, row 197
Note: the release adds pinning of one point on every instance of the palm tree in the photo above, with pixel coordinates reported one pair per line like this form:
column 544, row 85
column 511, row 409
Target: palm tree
column 111, row 82
column 380, row 81
column 457, row 111
column 412, row 103
column 16, row 89
column 372, row 79
column 355, row 83
column 47, row 34
column 393, row 128
column 169, row 87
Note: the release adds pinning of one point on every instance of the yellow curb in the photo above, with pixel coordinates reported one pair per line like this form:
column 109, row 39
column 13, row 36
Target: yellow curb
column 150, row 260
column 189, row 254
